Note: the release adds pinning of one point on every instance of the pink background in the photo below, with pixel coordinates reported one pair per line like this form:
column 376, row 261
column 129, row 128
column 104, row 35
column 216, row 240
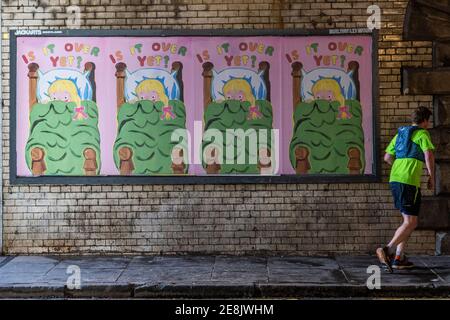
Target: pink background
column 281, row 92
column 211, row 43
column 365, row 80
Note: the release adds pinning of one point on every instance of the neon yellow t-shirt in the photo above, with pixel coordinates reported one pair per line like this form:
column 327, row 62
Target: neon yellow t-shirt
column 409, row 170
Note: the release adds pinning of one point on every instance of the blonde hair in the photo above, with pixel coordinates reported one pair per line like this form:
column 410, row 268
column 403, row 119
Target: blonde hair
column 153, row 85
column 242, row 85
column 331, row 85
column 66, row 85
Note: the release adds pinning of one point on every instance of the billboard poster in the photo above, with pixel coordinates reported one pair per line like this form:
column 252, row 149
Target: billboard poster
column 193, row 106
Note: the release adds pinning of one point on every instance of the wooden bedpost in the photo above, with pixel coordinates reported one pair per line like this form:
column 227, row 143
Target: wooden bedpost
column 120, row 87
column 302, row 164
column 265, row 66
column 178, row 165
column 32, row 86
column 38, row 166
column 90, row 66
column 90, row 162
column 90, row 155
column 178, row 67
column 212, row 154
column 354, row 66
column 265, row 162
column 126, row 161
column 207, row 83
column 296, row 83
column 354, row 161
column 212, row 166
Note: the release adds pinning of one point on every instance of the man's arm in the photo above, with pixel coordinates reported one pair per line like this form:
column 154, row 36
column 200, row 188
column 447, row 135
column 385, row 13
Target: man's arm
column 429, row 161
column 389, row 158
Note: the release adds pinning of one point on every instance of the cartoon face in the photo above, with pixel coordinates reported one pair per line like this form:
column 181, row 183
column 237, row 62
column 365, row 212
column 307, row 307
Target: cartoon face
column 151, row 95
column 324, row 95
column 60, row 95
column 235, row 95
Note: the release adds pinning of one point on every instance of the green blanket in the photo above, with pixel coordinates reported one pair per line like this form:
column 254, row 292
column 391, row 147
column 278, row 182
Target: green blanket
column 321, row 128
column 141, row 128
column 62, row 138
column 233, row 114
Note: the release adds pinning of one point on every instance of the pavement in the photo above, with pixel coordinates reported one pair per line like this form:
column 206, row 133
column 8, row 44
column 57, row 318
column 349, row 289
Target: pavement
column 53, row 277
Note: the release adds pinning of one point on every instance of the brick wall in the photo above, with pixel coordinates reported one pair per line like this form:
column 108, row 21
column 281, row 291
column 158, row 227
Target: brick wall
column 231, row 219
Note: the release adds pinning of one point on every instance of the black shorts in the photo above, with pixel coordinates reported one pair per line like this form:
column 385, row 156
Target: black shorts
column 407, row 198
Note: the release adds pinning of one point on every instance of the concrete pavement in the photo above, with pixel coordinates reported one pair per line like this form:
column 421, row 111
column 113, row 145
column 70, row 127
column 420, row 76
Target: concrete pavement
column 216, row 277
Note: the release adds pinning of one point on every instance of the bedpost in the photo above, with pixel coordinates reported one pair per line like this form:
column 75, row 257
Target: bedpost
column 265, row 66
column 207, row 83
column 178, row 67
column 32, row 86
column 90, row 162
column 126, row 161
column 120, row 87
column 354, row 66
column 354, row 161
column 90, row 66
column 38, row 166
column 264, row 162
column 296, row 83
column 178, row 166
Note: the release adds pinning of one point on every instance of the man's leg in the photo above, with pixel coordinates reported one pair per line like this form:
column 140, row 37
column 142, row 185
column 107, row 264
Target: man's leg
column 400, row 249
column 401, row 235
column 403, row 232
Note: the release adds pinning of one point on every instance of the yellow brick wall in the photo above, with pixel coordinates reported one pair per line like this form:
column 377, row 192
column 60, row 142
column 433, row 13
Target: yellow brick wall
column 233, row 219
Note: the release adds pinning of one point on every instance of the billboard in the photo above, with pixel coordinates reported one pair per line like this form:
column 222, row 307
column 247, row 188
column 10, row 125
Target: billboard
column 110, row 106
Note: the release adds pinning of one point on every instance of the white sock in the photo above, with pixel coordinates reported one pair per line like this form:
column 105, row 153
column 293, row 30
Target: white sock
column 399, row 254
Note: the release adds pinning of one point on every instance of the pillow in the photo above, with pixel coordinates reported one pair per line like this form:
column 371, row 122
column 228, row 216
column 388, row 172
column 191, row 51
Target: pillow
column 167, row 79
column 344, row 79
column 255, row 80
column 81, row 81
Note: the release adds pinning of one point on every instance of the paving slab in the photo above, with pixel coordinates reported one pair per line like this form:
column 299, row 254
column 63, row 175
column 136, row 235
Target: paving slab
column 34, row 260
column 435, row 262
column 417, row 276
column 182, row 261
column 29, row 264
column 243, row 264
column 155, row 274
column 218, row 277
column 86, row 275
column 141, row 261
column 444, row 275
column 302, row 262
column 239, row 277
column 305, row 275
column 356, row 261
column 95, row 262
column 12, row 278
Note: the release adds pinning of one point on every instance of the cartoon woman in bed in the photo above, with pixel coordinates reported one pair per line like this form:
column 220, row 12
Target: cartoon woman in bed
column 153, row 90
column 240, row 89
column 329, row 89
column 65, row 90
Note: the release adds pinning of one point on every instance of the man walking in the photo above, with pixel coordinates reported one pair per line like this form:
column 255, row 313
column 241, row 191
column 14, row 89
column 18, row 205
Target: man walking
column 407, row 152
